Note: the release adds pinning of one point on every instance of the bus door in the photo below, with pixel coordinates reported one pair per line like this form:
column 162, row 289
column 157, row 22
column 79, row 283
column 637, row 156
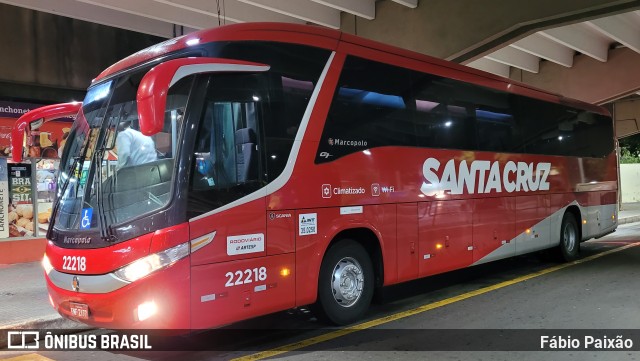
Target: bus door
column 444, row 232
column 238, row 272
column 226, row 201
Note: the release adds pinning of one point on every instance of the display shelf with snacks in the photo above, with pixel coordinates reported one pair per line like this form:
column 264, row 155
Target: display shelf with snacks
column 43, row 217
column 21, row 220
column 45, row 179
column 32, row 189
column 46, row 170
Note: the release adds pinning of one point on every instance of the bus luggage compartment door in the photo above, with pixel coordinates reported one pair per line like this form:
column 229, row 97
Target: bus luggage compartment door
column 228, row 292
column 444, row 229
column 494, row 222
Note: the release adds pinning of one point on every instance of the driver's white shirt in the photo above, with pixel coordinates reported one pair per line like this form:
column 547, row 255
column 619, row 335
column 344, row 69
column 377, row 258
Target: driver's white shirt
column 134, row 148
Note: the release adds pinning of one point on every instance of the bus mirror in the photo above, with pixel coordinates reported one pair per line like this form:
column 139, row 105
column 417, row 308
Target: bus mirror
column 154, row 87
column 34, row 119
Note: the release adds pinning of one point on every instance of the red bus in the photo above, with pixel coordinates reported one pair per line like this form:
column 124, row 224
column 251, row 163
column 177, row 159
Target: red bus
column 253, row 168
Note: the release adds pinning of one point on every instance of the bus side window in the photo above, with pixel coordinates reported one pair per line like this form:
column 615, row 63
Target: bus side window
column 371, row 108
column 227, row 159
column 247, row 155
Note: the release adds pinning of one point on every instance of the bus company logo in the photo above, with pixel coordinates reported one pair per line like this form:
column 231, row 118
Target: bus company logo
column 274, row 215
column 76, row 240
column 347, row 143
column 249, row 243
column 483, row 176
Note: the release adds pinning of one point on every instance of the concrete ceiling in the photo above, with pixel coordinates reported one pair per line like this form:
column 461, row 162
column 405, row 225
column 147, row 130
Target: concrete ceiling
column 159, row 17
column 593, row 38
column 596, row 39
column 167, row 18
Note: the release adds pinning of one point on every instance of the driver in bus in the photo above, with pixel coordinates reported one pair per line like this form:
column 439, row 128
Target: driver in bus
column 134, row 148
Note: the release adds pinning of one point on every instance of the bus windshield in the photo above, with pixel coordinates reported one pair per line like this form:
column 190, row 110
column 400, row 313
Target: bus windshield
column 110, row 171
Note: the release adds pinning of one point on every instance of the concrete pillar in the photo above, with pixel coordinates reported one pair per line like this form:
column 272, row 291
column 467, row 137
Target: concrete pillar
column 460, row 30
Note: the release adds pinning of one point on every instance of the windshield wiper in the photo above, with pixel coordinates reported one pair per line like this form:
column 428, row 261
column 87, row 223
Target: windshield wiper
column 56, row 206
column 106, row 232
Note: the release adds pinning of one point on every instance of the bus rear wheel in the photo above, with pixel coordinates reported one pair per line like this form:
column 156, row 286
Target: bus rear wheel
column 569, row 247
column 345, row 286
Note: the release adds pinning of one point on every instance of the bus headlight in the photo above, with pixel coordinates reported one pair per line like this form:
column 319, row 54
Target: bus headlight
column 151, row 263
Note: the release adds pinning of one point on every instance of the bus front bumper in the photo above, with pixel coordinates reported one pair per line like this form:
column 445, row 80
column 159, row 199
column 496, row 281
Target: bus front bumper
column 159, row 301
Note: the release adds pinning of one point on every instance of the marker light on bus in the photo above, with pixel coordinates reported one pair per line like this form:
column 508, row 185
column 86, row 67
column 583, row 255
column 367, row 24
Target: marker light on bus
column 46, row 264
column 151, row 263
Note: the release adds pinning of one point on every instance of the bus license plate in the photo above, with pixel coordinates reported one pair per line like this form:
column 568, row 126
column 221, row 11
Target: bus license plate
column 79, row 310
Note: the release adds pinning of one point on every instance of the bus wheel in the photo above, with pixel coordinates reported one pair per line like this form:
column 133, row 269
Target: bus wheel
column 345, row 287
column 569, row 238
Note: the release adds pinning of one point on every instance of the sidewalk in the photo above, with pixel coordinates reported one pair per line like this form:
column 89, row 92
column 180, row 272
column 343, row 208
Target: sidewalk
column 629, row 213
column 24, row 302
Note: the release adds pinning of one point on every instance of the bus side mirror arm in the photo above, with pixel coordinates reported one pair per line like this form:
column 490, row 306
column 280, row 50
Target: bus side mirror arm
column 154, row 87
column 31, row 119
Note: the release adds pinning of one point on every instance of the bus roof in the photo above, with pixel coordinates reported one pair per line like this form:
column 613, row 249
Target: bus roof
column 283, row 32
column 324, row 38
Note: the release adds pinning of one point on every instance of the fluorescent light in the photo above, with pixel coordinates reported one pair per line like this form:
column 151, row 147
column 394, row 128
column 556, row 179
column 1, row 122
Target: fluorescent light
column 193, row 41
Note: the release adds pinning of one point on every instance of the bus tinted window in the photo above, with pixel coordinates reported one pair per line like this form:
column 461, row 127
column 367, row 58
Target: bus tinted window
column 558, row 129
column 287, row 101
column 249, row 121
column 294, row 71
column 379, row 105
column 226, row 158
column 444, row 117
column 371, row 108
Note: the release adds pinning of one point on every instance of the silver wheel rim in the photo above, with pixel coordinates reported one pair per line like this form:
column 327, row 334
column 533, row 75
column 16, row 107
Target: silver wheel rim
column 347, row 282
column 569, row 237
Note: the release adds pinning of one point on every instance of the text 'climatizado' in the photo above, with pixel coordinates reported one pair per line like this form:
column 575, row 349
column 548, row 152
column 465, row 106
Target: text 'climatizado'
column 483, row 176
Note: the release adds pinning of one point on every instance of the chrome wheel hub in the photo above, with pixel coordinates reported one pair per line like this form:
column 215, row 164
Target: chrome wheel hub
column 569, row 237
column 347, row 282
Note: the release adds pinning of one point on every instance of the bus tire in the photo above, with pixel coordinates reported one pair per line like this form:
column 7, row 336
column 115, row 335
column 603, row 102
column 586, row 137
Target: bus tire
column 569, row 247
column 346, row 282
